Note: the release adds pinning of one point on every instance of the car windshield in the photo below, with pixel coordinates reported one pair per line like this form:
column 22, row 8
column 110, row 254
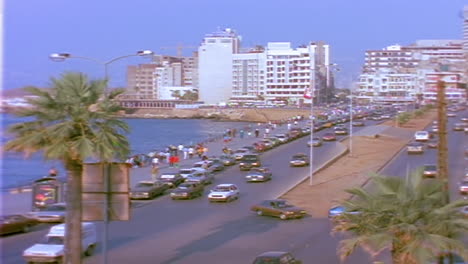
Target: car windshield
column 249, row 157
column 53, row 208
column 299, row 156
column 266, row 260
column 283, row 205
column 221, row 189
column 167, row 176
column 141, row 184
column 52, row 240
column 241, row 151
column 430, row 167
column 225, row 157
column 184, row 171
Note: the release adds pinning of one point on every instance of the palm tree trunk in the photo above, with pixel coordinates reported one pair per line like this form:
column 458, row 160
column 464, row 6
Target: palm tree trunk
column 73, row 251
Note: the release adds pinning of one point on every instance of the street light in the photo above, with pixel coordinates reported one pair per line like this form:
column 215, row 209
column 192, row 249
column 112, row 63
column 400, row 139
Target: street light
column 59, row 57
column 311, row 95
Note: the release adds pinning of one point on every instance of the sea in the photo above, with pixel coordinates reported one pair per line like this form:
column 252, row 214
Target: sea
column 146, row 135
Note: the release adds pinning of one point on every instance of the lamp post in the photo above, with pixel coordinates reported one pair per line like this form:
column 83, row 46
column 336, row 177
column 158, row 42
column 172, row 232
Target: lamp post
column 60, row 57
column 351, row 124
column 311, row 95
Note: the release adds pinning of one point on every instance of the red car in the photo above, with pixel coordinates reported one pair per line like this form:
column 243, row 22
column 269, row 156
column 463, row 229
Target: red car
column 15, row 223
column 329, row 137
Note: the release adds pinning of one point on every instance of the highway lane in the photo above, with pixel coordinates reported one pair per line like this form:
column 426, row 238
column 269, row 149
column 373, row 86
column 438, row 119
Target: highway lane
column 177, row 219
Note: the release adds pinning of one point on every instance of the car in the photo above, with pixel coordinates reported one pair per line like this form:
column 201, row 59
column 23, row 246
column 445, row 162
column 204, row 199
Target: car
column 464, row 119
column 250, row 148
column 432, row 143
column 299, row 160
column 316, row 142
column 341, row 131
column 464, row 211
column 187, row 190
column 53, row 213
column 16, row 223
column 227, row 160
column 249, row 161
column 451, row 115
column 148, row 189
column 435, row 129
column 203, row 178
column 415, row 147
column 267, row 143
column 204, row 164
column 329, row 137
column 272, row 257
column 459, row 127
column 261, row 174
column 239, row 153
column 358, row 123
column 430, row 170
column 276, row 142
column 421, row 135
column 186, row 172
column 278, row 208
column 463, row 186
column 282, row 137
column 338, row 210
column 226, row 192
column 171, row 179
column 217, row 165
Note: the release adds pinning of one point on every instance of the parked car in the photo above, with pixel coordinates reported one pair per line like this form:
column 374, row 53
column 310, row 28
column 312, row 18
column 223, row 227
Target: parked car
column 463, row 186
column 148, row 189
column 415, row 147
column 276, row 142
column 16, row 223
column 261, row 174
column 227, row 160
column 338, row 210
column 204, row 164
column 299, row 160
column 273, row 257
column 249, row 161
column 430, row 170
column 187, row 190
column 171, row 179
column 421, row 136
column 278, row 208
column 53, row 213
column 329, row 137
column 224, row 193
column 316, row 142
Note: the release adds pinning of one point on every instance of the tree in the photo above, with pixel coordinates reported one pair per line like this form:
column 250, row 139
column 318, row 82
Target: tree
column 72, row 121
column 188, row 95
column 407, row 216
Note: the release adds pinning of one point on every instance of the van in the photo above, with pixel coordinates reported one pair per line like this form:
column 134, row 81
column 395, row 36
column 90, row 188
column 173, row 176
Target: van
column 51, row 247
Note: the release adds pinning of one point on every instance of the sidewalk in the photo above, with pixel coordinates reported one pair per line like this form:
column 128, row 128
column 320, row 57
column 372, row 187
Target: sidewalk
column 20, row 202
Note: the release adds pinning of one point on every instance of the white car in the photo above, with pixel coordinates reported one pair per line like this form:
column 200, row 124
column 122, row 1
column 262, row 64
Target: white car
column 224, row 193
column 421, row 136
column 189, row 172
column 282, row 137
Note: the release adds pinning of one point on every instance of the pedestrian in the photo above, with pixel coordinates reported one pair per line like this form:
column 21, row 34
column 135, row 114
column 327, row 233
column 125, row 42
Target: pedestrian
column 155, row 161
column 267, row 132
column 191, row 152
column 185, row 150
column 180, row 148
column 234, row 132
column 289, row 126
column 53, row 172
column 241, row 133
column 176, row 161
column 154, row 172
column 257, row 132
column 171, row 161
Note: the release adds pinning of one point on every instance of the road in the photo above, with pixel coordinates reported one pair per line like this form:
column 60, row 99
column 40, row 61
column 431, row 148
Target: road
column 195, row 231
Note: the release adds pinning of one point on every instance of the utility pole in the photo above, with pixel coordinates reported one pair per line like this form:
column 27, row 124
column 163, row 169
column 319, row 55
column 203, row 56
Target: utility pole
column 442, row 155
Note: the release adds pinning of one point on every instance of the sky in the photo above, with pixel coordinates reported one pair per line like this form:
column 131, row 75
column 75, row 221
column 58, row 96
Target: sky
column 106, row 29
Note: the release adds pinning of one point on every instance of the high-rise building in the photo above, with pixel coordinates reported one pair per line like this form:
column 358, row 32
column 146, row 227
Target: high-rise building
column 248, row 76
column 140, row 80
column 215, row 56
column 465, row 28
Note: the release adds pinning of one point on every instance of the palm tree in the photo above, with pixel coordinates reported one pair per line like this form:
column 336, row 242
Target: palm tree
column 72, row 121
column 406, row 216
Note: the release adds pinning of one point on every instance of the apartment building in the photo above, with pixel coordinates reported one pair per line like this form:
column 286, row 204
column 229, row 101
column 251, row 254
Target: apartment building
column 140, row 80
column 248, row 76
column 215, row 57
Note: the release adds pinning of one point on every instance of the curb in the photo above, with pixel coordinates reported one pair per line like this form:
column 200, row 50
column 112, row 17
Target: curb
column 320, row 168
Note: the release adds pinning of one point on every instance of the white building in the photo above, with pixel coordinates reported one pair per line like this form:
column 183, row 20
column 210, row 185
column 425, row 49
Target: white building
column 248, row 76
column 215, row 66
column 465, row 28
column 167, row 92
column 291, row 72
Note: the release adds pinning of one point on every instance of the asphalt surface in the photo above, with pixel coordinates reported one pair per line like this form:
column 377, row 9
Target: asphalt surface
column 196, row 231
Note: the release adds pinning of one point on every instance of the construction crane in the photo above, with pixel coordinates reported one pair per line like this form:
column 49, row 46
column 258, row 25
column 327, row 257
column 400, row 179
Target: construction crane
column 180, row 47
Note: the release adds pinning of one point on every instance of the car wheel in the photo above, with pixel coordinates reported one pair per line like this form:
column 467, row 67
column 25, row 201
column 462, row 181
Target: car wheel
column 283, row 217
column 259, row 212
column 25, row 229
column 89, row 251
